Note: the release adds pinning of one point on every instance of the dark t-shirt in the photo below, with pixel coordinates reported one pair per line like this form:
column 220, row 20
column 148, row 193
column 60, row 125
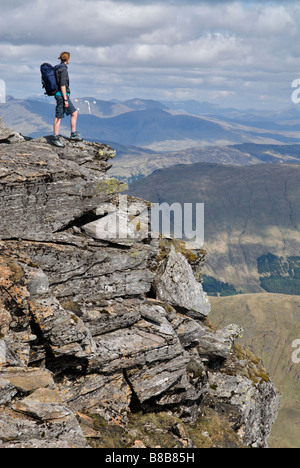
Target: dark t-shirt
column 62, row 77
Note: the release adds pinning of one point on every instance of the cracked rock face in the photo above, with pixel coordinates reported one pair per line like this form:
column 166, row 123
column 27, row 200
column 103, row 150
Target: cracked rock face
column 93, row 326
column 41, row 192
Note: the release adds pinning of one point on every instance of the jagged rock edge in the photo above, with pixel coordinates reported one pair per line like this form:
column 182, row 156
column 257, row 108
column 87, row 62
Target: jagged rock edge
column 80, row 355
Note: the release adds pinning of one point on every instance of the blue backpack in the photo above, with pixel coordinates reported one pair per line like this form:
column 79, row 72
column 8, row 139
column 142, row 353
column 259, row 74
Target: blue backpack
column 49, row 81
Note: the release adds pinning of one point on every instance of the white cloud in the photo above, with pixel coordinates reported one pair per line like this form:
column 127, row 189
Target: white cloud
column 200, row 49
column 275, row 20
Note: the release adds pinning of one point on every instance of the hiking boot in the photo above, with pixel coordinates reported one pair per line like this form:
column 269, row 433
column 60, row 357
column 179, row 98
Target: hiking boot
column 75, row 136
column 56, row 142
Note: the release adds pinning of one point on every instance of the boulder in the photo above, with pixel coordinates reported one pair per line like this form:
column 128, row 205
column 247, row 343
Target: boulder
column 175, row 283
column 9, row 136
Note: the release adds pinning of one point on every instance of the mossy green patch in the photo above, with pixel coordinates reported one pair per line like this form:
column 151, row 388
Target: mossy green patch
column 111, row 186
column 254, row 370
column 17, row 272
column 165, row 430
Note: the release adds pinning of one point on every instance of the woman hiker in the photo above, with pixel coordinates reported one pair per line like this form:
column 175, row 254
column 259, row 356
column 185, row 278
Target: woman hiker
column 63, row 103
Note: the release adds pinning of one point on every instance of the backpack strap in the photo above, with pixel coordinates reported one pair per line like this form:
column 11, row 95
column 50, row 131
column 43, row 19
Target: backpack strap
column 56, row 68
column 60, row 65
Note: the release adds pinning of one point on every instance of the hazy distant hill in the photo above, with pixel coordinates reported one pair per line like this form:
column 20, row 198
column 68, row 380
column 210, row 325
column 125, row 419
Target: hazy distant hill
column 155, row 125
column 271, row 323
column 250, row 211
column 31, row 118
column 133, row 164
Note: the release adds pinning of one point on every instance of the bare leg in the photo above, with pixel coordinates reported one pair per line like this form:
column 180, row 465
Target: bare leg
column 74, row 121
column 56, row 126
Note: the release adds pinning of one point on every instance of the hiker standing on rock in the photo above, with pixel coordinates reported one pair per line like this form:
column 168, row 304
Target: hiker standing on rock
column 63, row 103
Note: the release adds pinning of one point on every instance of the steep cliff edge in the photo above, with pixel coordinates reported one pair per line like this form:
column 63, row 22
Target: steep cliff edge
column 104, row 341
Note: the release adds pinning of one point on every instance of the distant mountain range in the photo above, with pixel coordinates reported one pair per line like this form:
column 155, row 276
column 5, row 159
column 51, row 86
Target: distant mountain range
column 166, row 126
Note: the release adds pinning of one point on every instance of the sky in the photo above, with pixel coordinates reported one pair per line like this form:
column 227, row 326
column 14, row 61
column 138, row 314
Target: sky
column 242, row 54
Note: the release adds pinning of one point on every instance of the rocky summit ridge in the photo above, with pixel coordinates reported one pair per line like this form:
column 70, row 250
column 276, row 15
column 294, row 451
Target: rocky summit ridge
column 105, row 342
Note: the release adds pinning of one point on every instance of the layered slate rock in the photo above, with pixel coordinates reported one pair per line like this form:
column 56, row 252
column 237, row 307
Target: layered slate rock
column 42, row 192
column 98, row 325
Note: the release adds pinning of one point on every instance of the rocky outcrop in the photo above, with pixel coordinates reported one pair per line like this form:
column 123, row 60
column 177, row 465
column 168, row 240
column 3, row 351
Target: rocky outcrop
column 9, row 136
column 99, row 325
